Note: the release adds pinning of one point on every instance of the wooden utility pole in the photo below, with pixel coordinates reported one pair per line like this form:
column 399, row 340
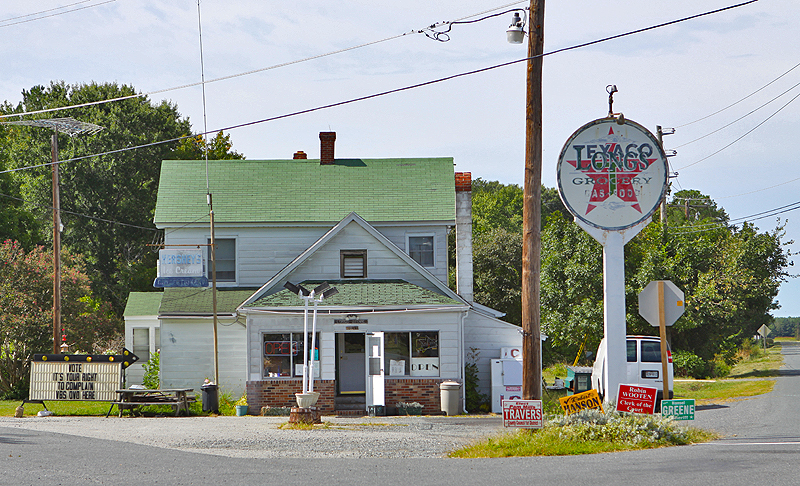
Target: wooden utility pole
column 532, row 210
column 213, row 247
column 56, row 247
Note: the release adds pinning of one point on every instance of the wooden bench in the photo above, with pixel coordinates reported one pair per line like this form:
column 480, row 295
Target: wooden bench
column 132, row 398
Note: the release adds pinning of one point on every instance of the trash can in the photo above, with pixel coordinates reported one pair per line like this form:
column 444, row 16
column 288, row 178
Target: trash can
column 210, row 398
column 450, row 394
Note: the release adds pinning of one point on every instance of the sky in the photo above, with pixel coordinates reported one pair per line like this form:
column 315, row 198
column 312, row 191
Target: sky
column 301, row 55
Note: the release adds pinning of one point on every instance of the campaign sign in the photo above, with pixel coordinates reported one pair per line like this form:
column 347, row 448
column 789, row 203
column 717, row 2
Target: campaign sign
column 581, row 401
column 526, row 414
column 678, row 409
column 636, row 399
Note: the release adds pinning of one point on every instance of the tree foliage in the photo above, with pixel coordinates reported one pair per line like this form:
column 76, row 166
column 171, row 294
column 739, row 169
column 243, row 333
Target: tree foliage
column 102, row 184
column 26, row 310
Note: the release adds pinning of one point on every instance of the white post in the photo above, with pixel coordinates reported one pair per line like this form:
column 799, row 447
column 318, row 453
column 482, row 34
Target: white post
column 614, row 315
column 305, row 341
column 313, row 346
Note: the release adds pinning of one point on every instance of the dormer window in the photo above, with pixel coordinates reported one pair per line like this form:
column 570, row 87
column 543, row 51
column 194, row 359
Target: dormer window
column 353, row 263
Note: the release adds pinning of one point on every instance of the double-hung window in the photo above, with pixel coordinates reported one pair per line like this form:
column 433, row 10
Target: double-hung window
column 225, row 256
column 420, row 248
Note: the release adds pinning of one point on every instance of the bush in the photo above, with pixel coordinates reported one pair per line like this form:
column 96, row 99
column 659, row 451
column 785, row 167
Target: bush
column 475, row 400
column 686, row 363
column 151, row 369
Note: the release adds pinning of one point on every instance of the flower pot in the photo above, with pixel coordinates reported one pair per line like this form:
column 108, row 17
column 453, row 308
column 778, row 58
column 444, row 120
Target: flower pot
column 409, row 410
column 241, row 410
column 305, row 400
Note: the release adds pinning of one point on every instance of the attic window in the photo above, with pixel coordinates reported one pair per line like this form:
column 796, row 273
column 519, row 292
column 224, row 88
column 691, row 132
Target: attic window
column 353, row 263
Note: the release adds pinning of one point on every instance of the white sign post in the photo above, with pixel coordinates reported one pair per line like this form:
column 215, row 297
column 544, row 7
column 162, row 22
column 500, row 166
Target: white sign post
column 612, row 175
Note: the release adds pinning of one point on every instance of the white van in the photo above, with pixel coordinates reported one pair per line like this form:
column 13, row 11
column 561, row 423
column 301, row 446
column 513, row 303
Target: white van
column 644, row 365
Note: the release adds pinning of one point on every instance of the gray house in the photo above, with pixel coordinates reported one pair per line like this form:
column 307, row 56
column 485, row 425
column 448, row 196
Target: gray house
column 375, row 229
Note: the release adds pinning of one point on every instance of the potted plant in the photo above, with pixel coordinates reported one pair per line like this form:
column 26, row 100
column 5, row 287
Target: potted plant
column 241, row 406
column 412, row 408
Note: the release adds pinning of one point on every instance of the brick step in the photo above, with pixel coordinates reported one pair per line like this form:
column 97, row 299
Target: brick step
column 350, row 413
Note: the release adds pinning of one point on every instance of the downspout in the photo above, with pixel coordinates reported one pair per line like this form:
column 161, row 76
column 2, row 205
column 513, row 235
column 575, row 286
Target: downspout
column 462, row 362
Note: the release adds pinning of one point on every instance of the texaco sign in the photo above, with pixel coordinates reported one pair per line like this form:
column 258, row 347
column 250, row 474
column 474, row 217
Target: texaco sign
column 612, row 176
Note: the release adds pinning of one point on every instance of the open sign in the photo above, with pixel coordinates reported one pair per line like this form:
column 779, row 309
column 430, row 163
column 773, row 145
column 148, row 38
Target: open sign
column 280, row 348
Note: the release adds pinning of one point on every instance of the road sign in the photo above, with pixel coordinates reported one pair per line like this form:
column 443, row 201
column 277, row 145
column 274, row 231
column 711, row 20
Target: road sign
column 673, row 303
column 636, row 398
column 678, row 409
column 580, row 401
column 526, row 414
column 763, row 331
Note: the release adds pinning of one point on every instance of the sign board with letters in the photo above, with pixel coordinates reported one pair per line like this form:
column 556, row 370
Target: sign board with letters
column 678, row 409
column 581, row 401
column 180, row 268
column 636, row 399
column 78, row 376
column 526, row 414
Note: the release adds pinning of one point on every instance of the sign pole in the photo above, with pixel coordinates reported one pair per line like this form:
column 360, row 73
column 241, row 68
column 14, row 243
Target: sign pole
column 662, row 328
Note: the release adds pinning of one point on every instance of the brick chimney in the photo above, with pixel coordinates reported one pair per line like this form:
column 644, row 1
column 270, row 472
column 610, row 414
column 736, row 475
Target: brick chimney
column 299, row 155
column 464, row 282
column 326, row 141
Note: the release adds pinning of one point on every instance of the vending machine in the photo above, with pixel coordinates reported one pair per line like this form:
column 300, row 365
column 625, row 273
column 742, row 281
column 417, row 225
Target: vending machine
column 506, row 378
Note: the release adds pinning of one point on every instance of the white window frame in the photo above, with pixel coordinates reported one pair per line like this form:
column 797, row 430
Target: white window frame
column 134, row 346
column 350, row 253
column 422, row 235
column 224, row 283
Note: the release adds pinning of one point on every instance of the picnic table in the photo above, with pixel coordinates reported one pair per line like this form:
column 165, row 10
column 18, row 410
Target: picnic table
column 132, row 398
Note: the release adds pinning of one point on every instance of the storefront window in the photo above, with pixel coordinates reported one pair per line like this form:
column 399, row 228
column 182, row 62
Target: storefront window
column 283, row 355
column 412, row 353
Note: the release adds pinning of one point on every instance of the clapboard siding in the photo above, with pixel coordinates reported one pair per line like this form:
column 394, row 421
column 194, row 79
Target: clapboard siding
column 187, row 354
column 263, row 252
column 483, row 338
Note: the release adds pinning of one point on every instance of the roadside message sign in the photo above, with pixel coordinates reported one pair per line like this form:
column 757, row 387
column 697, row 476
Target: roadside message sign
column 84, row 377
column 581, row 401
column 526, row 414
column 678, row 409
column 636, row 399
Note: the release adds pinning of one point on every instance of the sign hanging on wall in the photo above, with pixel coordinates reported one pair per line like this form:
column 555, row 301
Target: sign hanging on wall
column 82, row 377
column 610, row 175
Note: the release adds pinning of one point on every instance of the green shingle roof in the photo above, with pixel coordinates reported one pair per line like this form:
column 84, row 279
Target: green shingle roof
column 198, row 301
column 143, row 304
column 257, row 191
column 373, row 293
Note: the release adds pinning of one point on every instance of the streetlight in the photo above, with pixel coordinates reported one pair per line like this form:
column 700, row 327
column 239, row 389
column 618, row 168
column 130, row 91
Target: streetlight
column 320, row 292
column 71, row 127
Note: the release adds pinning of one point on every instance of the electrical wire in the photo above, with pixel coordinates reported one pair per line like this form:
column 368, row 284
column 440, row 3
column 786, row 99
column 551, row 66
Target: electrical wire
column 54, row 14
column 92, row 103
column 741, row 137
column 737, row 102
column 43, row 11
column 384, row 93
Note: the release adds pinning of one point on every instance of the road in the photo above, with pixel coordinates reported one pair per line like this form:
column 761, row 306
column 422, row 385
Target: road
column 761, row 441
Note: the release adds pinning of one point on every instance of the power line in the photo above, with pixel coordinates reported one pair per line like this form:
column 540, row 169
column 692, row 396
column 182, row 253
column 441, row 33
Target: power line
column 381, row 93
column 232, row 76
column 737, row 102
column 368, row 44
column 53, row 14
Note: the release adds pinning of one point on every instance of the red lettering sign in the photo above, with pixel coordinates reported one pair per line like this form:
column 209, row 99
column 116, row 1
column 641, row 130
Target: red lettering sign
column 636, row 399
column 522, row 413
column 279, row 348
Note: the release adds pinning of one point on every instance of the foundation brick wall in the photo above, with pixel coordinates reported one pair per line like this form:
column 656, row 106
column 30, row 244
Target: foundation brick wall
column 280, row 393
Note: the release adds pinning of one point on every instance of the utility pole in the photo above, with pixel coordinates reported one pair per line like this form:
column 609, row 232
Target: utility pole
column 532, row 210
column 56, row 246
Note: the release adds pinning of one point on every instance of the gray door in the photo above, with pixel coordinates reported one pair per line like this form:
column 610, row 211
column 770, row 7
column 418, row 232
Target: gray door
column 351, row 365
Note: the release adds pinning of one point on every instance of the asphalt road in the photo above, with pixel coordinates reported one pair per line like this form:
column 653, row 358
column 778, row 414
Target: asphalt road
column 760, row 444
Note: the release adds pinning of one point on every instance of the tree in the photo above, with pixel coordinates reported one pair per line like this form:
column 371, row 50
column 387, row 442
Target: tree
column 219, row 147
column 26, row 312
column 497, row 270
column 108, row 200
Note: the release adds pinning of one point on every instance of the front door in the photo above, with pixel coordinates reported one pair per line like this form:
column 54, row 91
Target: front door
column 351, row 368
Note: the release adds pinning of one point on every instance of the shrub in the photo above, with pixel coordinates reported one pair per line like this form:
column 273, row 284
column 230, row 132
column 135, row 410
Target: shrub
column 151, row 369
column 686, row 363
column 475, row 400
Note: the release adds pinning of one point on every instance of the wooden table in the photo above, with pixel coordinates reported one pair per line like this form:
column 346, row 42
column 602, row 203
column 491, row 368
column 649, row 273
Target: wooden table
column 131, row 398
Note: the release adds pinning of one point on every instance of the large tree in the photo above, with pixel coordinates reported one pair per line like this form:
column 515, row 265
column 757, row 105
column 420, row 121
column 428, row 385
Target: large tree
column 108, row 193
column 26, row 312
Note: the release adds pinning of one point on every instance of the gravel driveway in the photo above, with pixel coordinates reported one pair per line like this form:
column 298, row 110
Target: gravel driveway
column 251, row 436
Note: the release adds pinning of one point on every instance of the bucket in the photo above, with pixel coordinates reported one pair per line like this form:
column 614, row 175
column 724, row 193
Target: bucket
column 241, row 410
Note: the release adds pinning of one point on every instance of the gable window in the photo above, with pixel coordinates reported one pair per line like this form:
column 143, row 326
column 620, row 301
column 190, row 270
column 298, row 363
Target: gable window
column 353, row 263
column 420, row 248
column 226, row 260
